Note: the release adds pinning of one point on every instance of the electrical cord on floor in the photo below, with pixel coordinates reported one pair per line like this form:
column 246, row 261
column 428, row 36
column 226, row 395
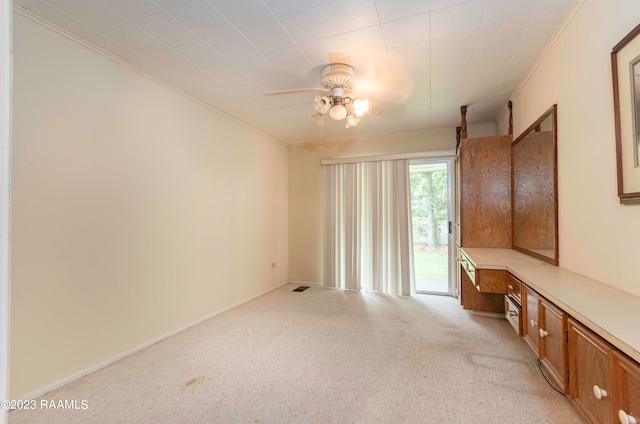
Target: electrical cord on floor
column 546, row 379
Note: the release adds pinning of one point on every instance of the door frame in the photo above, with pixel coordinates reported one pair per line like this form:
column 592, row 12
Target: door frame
column 451, row 238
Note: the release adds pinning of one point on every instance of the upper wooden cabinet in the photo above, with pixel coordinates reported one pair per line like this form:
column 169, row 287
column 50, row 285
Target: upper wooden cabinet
column 485, row 191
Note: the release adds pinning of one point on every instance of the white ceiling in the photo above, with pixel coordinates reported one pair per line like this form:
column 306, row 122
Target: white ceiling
column 417, row 60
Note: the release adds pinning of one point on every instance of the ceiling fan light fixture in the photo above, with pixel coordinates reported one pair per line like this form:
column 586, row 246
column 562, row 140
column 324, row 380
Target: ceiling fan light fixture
column 360, row 107
column 322, row 104
column 352, row 121
column 338, row 112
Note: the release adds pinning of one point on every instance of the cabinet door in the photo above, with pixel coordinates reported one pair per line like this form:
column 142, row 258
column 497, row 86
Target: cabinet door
column 485, row 192
column 553, row 342
column 589, row 376
column 625, row 380
column 530, row 318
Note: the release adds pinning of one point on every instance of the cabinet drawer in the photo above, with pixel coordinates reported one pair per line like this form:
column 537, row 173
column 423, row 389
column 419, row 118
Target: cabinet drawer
column 491, row 281
column 468, row 267
column 513, row 313
column 513, row 288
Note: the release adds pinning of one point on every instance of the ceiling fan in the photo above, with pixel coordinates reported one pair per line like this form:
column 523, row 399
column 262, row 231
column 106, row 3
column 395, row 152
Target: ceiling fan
column 336, row 79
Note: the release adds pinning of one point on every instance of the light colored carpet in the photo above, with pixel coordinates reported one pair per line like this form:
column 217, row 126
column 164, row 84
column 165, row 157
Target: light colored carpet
column 323, row 356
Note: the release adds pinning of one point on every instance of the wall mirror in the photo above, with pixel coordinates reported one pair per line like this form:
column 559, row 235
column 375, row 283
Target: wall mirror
column 534, row 188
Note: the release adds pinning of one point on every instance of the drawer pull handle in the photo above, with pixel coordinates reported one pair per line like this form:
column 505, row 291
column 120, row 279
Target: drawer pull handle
column 545, row 334
column 626, row 418
column 510, row 286
column 534, row 323
column 599, row 393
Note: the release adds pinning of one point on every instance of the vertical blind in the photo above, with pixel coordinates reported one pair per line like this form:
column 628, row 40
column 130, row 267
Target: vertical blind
column 367, row 227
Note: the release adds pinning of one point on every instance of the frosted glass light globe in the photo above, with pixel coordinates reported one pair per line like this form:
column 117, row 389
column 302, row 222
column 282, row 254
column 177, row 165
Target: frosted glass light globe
column 338, row 112
column 360, row 107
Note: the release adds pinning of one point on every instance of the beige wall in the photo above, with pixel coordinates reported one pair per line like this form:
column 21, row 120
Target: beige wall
column 598, row 237
column 135, row 211
column 305, row 186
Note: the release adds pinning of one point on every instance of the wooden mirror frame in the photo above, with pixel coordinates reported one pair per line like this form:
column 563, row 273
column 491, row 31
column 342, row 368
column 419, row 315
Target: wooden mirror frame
column 628, row 45
column 523, row 137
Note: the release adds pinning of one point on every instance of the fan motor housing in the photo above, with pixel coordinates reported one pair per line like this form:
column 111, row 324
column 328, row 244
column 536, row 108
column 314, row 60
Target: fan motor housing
column 337, row 75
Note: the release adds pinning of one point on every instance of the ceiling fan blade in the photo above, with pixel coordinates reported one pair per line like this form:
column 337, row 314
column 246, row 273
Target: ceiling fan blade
column 294, row 91
column 391, row 86
column 339, row 57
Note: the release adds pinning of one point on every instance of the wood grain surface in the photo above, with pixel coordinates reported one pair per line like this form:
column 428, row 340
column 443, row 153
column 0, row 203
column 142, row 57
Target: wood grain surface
column 626, row 385
column 485, row 210
column 473, row 300
column 589, row 365
column 533, row 192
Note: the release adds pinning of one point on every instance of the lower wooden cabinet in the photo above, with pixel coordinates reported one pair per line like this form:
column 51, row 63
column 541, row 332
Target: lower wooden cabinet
column 625, row 376
column 590, row 382
column 553, row 342
column 601, row 381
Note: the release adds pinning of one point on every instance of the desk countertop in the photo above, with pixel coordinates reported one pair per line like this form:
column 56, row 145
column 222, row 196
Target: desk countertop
column 611, row 313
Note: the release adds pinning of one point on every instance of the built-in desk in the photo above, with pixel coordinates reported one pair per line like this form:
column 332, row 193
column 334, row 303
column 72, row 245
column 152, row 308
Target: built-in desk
column 610, row 313
column 487, row 258
column 484, row 277
column 586, row 334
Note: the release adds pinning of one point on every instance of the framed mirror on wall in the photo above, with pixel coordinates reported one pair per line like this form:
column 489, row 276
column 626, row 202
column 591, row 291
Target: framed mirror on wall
column 625, row 67
column 534, row 189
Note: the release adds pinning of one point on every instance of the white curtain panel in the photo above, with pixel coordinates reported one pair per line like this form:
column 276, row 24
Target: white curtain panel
column 367, row 227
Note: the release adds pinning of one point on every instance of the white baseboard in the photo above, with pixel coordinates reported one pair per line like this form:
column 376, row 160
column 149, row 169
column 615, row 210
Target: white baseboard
column 67, row 380
column 306, row 283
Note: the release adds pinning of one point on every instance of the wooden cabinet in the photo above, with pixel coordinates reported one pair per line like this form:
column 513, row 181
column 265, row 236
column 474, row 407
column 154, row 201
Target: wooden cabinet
column 590, row 383
column 483, row 213
column 603, row 383
column 530, row 318
column 625, row 380
column 553, row 340
column 544, row 328
column 485, row 191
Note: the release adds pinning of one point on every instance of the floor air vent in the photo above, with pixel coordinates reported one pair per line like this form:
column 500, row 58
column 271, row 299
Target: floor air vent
column 301, row 289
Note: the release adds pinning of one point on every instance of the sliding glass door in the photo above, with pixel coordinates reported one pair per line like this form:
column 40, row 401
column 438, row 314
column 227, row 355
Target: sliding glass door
column 431, row 212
